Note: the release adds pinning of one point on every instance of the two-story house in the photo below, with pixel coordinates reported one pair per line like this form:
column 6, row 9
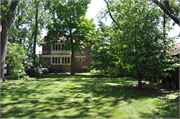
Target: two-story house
column 58, row 60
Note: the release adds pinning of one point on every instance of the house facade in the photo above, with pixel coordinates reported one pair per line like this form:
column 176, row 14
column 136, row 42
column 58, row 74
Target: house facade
column 58, row 60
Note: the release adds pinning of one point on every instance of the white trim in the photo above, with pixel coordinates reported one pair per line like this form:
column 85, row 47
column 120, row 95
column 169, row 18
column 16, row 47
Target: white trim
column 61, row 56
column 80, row 56
column 84, row 66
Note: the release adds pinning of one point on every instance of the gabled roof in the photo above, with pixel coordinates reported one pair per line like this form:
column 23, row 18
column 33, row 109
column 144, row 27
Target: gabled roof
column 176, row 51
column 60, row 39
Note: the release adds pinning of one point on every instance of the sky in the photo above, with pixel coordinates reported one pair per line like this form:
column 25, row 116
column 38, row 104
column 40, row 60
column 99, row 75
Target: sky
column 93, row 10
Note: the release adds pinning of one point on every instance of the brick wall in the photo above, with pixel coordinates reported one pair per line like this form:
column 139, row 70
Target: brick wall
column 46, row 50
column 67, row 68
column 78, row 65
column 60, row 68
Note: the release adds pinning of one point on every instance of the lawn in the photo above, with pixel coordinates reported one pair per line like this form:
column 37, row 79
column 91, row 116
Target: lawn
column 86, row 96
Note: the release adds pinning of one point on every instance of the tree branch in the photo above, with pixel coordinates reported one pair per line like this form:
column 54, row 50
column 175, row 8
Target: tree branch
column 12, row 9
column 112, row 16
column 168, row 12
column 167, row 6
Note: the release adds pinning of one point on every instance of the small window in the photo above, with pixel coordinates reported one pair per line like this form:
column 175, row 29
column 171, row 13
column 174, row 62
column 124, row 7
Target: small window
column 65, row 60
column 83, row 59
column 53, row 60
column 56, row 60
column 68, row 60
column 84, row 70
column 53, row 47
column 59, row 60
column 62, row 45
column 56, row 47
column 76, row 59
column 62, row 60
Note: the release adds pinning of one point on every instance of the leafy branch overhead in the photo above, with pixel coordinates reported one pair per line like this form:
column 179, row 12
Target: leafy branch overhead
column 168, row 10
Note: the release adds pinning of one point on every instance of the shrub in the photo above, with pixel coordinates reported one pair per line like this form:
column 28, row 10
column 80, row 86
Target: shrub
column 45, row 71
column 16, row 54
column 33, row 71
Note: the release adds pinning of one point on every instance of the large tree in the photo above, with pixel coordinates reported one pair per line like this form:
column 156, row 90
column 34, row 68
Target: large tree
column 68, row 20
column 138, row 38
column 7, row 15
column 22, row 30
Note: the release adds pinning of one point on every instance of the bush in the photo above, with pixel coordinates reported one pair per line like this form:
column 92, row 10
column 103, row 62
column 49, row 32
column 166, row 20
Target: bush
column 16, row 54
column 45, row 70
column 33, row 71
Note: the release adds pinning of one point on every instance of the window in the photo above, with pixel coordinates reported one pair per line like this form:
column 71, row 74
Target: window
column 57, row 60
column 62, row 60
column 62, row 45
column 84, row 69
column 65, row 60
column 53, row 47
column 68, row 60
column 76, row 59
column 59, row 46
column 56, row 47
column 83, row 59
column 53, row 60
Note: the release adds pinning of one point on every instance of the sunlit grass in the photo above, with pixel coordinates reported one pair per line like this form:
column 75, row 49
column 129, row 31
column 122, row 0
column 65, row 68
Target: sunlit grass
column 86, row 96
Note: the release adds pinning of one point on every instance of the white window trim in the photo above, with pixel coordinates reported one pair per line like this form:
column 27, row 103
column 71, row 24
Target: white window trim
column 58, row 47
column 61, row 60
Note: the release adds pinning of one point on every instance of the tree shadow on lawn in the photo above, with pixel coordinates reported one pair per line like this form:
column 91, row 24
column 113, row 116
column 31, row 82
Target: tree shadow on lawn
column 127, row 92
column 169, row 109
column 90, row 98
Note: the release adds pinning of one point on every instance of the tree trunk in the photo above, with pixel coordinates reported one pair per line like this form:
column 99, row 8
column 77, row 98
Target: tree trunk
column 5, row 23
column 4, row 40
column 35, row 35
column 72, row 57
column 136, row 65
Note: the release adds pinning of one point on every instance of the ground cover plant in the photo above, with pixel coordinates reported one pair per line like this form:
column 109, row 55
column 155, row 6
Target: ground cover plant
column 86, row 96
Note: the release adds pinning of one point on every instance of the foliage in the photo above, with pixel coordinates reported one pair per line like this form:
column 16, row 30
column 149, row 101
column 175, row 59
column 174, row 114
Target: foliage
column 35, row 69
column 45, row 71
column 136, row 43
column 22, row 30
column 16, row 55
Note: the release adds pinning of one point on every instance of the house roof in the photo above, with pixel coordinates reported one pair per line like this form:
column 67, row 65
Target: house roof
column 176, row 51
column 60, row 39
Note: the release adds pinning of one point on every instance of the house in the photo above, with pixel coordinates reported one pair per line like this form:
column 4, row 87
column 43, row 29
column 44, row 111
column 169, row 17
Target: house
column 175, row 74
column 58, row 60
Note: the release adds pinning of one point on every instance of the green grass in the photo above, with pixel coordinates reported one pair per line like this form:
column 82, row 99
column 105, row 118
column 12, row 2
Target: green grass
column 86, row 96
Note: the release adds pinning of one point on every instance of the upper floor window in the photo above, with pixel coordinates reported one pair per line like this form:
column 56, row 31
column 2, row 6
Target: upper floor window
column 58, row 47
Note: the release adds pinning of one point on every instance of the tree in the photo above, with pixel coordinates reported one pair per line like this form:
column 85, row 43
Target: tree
column 68, row 20
column 36, row 28
column 169, row 9
column 15, row 56
column 22, row 30
column 7, row 15
column 141, row 44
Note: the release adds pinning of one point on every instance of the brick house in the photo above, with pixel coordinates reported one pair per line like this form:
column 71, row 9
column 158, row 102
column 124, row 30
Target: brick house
column 58, row 60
